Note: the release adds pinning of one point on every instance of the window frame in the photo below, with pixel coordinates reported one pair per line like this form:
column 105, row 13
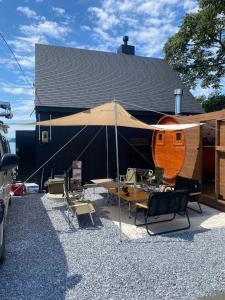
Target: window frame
column 160, row 141
column 179, row 142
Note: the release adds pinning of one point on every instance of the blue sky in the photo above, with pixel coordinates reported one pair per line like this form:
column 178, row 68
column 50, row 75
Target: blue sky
column 91, row 24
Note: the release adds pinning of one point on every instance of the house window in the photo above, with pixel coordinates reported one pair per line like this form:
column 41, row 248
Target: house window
column 160, row 138
column 178, row 138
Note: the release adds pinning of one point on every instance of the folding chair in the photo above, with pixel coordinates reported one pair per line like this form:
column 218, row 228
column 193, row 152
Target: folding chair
column 164, row 203
column 194, row 187
column 130, row 177
column 76, row 205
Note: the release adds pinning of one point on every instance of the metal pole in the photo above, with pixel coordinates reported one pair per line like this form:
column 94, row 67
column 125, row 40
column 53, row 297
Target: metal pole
column 50, row 117
column 39, row 128
column 117, row 167
column 42, row 177
column 107, row 152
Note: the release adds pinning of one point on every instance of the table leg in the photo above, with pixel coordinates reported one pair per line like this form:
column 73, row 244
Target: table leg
column 108, row 198
column 129, row 209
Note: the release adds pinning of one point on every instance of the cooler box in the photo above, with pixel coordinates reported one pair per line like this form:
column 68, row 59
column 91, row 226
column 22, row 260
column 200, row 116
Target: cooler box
column 55, row 186
column 31, row 188
column 17, row 188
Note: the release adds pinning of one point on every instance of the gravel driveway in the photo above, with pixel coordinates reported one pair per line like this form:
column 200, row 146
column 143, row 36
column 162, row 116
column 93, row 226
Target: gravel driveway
column 48, row 260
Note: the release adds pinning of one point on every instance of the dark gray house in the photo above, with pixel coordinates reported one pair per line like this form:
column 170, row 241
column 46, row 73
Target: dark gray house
column 70, row 80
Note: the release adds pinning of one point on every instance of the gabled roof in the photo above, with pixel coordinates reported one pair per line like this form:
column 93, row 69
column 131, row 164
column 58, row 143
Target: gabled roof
column 70, row 77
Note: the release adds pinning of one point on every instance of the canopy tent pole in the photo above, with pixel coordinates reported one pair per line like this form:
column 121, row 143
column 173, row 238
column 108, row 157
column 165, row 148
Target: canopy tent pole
column 50, row 127
column 107, row 152
column 39, row 128
column 117, row 168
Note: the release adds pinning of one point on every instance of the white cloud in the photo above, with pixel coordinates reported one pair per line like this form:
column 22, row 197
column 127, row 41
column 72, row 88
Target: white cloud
column 199, row 91
column 149, row 22
column 25, row 44
column 17, row 90
column 7, row 63
column 46, row 28
column 190, row 6
column 40, row 30
column 58, row 10
column 104, row 18
column 23, row 109
column 26, row 61
column 85, row 28
column 29, row 13
column 61, row 13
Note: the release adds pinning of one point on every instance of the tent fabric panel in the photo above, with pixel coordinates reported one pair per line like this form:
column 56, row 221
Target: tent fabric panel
column 104, row 115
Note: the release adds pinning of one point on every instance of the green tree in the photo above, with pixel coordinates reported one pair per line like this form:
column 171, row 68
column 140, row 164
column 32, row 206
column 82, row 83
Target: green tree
column 197, row 50
column 213, row 103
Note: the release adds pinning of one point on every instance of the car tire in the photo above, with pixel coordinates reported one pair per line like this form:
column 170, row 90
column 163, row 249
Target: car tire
column 2, row 250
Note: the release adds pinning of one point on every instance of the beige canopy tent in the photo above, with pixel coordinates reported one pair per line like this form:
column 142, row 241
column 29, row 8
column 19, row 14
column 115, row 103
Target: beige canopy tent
column 109, row 114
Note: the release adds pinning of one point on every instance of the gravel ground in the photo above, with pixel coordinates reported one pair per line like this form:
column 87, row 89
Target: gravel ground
column 48, row 260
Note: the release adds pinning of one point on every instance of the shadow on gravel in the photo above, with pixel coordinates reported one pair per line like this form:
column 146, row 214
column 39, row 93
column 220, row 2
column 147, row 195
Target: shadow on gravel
column 35, row 265
column 81, row 222
column 188, row 235
column 175, row 237
column 72, row 281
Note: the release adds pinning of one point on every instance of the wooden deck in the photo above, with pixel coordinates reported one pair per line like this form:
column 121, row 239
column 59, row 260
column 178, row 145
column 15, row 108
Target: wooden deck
column 210, row 200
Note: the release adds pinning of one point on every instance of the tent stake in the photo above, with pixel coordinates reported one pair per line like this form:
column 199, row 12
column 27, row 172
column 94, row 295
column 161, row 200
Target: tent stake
column 117, row 167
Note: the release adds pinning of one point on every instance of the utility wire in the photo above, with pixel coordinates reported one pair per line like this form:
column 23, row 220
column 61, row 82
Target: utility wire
column 20, row 68
column 16, row 60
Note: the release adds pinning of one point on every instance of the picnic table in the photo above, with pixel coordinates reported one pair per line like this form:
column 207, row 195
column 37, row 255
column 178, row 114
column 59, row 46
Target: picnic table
column 135, row 195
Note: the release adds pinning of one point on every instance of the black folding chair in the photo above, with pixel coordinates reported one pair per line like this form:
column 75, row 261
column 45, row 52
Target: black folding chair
column 194, row 188
column 164, row 203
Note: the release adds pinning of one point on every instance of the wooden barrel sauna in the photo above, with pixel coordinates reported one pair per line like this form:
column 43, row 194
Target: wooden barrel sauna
column 168, row 149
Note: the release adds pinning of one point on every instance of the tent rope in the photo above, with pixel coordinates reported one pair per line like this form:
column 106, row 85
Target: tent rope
column 86, row 147
column 133, row 147
column 159, row 112
column 48, row 160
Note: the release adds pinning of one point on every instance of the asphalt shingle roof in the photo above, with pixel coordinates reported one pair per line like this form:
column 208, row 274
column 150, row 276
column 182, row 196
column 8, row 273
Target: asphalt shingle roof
column 70, row 77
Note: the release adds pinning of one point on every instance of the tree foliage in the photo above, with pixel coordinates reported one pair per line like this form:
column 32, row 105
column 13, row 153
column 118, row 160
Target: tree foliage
column 197, row 50
column 212, row 103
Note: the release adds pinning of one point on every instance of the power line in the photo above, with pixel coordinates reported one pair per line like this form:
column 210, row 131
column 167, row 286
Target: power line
column 20, row 68
column 16, row 60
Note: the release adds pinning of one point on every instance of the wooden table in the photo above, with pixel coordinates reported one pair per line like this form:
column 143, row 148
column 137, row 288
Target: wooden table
column 104, row 182
column 135, row 195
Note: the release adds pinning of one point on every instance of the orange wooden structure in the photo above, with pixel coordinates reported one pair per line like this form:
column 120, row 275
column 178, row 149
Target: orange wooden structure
column 169, row 149
column 197, row 153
